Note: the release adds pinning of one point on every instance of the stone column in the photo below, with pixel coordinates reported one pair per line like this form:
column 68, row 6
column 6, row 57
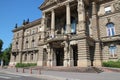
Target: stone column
column 12, row 62
column 68, row 19
column 52, row 55
column 43, row 27
column 83, row 60
column 94, row 21
column 81, row 18
column 105, row 53
column 97, row 56
column 52, row 23
column 49, row 58
column 66, row 54
column 70, row 56
column 40, row 56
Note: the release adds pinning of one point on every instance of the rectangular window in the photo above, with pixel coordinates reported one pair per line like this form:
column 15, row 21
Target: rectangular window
column 107, row 9
column 112, row 50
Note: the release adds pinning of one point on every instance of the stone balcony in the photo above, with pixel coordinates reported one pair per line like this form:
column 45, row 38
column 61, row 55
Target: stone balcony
column 59, row 37
column 30, row 49
column 110, row 38
column 15, row 50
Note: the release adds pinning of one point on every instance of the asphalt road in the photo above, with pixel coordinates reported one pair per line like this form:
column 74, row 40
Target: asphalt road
column 4, row 76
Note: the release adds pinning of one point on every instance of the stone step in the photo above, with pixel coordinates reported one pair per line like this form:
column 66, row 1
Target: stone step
column 73, row 69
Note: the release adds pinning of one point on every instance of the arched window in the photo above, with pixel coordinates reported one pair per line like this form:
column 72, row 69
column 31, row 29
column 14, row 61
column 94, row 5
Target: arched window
column 110, row 29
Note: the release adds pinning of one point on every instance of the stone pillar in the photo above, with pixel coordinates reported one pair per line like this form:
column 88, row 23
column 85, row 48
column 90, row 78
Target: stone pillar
column 81, row 18
column 18, row 57
column 68, row 19
column 105, row 53
column 94, row 21
column 66, row 54
column 43, row 27
column 70, row 56
column 12, row 62
column 83, row 60
column 97, row 56
column 53, row 60
column 49, row 58
column 40, row 56
column 53, row 23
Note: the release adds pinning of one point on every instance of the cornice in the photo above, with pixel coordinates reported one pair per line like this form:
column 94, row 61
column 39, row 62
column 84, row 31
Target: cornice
column 33, row 23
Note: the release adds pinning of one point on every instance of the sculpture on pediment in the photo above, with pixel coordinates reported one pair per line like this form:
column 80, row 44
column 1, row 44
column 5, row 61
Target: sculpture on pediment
column 80, row 6
column 51, row 1
column 117, row 5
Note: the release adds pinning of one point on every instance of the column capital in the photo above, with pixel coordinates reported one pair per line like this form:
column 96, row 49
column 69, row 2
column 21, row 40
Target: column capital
column 94, row 10
column 52, row 10
column 67, row 3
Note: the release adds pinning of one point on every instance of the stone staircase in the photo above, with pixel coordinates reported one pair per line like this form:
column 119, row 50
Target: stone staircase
column 108, row 69
column 73, row 69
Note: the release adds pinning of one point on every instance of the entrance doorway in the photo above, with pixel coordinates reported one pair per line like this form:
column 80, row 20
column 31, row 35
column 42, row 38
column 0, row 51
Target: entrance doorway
column 92, row 50
column 59, row 56
column 75, row 54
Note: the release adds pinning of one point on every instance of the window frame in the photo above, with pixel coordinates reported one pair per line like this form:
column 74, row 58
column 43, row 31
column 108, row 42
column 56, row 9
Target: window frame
column 107, row 9
column 112, row 50
column 107, row 28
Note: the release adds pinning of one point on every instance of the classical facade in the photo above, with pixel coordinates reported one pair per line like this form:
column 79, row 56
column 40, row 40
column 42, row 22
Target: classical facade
column 70, row 33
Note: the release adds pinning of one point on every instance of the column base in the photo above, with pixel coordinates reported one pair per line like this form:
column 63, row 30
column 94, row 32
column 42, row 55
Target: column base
column 65, row 63
column 39, row 63
column 53, row 63
column 83, row 63
column 68, row 63
column 12, row 64
column 97, row 63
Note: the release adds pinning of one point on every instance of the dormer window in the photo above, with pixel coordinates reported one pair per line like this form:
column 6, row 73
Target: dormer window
column 107, row 9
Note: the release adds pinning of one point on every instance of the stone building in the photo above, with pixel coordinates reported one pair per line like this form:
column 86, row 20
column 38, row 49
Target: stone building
column 70, row 33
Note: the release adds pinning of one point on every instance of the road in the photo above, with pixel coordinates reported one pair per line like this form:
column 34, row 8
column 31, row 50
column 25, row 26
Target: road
column 5, row 76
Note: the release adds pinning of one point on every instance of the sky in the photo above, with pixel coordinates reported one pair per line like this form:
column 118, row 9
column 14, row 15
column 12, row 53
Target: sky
column 15, row 11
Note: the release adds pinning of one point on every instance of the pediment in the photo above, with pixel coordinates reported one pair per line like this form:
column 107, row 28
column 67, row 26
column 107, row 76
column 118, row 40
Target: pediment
column 47, row 3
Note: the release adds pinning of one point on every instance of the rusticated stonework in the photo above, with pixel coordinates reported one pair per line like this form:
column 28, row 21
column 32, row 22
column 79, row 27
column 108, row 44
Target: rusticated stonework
column 70, row 33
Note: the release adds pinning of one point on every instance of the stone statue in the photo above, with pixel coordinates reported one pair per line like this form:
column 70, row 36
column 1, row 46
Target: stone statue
column 80, row 6
column 117, row 5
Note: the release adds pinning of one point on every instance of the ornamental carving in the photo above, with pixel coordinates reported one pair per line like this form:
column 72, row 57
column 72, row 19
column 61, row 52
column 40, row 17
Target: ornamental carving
column 80, row 6
column 117, row 5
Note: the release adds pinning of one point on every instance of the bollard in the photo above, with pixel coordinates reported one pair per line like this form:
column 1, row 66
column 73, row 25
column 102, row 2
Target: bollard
column 23, row 70
column 39, row 71
column 16, row 69
column 31, row 71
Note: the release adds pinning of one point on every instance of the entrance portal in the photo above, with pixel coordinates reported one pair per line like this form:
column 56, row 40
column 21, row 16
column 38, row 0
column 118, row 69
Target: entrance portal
column 59, row 56
column 75, row 54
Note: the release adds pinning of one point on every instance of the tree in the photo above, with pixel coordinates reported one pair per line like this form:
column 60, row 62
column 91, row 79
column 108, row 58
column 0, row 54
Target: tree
column 1, row 56
column 6, row 55
column 1, row 44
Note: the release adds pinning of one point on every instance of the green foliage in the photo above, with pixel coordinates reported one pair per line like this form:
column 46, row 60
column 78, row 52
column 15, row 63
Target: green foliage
column 1, row 44
column 5, row 55
column 22, row 65
column 114, row 64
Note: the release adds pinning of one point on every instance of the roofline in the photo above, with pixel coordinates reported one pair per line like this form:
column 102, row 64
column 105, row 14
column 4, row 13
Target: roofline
column 33, row 23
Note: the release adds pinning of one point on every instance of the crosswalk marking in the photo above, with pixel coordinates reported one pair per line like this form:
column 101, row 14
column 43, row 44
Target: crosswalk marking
column 9, row 75
column 5, row 77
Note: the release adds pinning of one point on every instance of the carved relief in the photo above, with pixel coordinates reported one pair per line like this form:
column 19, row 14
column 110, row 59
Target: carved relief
column 80, row 6
column 50, row 2
column 117, row 5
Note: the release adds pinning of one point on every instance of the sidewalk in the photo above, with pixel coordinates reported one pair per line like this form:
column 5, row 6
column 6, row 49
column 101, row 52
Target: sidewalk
column 56, row 75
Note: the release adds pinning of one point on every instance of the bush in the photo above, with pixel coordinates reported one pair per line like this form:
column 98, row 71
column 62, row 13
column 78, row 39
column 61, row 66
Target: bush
column 21, row 65
column 114, row 64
